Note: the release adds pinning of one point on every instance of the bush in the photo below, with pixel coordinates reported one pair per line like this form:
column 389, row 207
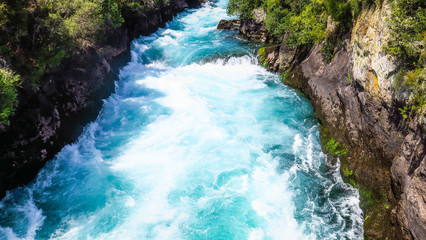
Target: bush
column 334, row 148
column 408, row 29
column 339, row 10
column 8, row 94
column 243, row 8
column 304, row 22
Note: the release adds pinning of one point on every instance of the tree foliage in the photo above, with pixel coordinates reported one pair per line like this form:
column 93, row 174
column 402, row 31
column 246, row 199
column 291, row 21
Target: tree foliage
column 302, row 21
column 8, row 94
column 408, row 28
column 243, row 8
column 36, row 35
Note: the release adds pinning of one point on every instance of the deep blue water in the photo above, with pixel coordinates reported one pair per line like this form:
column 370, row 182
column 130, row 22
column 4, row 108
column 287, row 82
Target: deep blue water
column 198, row 142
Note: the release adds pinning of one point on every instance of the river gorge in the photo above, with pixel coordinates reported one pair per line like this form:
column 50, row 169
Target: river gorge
column 198, row 141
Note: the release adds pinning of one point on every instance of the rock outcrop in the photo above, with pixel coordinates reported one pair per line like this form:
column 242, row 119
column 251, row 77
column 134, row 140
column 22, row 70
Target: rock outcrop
column 357, row 100
column 409, row 178
column 69, row 97
column 254, row 29
column 229, row 24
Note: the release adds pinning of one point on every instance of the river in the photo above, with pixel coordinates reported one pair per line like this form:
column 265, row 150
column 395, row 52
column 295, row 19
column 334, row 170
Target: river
column 198, row 142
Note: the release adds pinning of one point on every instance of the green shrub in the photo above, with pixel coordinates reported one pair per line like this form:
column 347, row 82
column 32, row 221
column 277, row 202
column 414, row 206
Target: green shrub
column 243, row 8
column 3, row 15
column 403, row 111
column 329, row 46
column 416, row 80
column 348, row 78
column 303, row 21
column 408, row 29
column 334, row 148
column 8, row 94
column 111, row 12
column 285, row 74
column 347, row 172
column 339, row 10
column 368, row 199
column 262, row 57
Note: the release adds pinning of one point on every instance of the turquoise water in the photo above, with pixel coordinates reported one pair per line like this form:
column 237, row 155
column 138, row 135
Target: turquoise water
column 198, row 142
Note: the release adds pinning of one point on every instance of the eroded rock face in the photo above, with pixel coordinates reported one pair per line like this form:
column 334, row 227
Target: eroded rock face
column 268, row 56
column 229, row 24
column 409, row 181
column 374, row 69
column 254, row 29
column 69, row 97
column 286, row 56
column 376, row 72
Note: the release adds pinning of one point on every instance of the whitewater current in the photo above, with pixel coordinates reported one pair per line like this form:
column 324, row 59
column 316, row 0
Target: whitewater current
column 197, row 142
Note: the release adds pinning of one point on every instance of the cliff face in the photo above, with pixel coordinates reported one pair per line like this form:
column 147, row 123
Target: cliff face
column 357, row 99
column 69, row 97
column 402, row 140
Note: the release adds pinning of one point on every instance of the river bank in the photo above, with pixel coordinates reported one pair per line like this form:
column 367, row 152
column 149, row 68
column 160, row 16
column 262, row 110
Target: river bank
column 358, row 103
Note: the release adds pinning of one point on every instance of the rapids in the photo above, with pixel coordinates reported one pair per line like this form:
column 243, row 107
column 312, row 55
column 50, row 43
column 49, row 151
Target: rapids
column 198, row 142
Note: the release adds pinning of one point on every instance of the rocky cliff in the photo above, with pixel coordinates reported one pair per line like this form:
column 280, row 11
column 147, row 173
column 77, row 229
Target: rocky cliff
column 69, row 97
column 357, row 99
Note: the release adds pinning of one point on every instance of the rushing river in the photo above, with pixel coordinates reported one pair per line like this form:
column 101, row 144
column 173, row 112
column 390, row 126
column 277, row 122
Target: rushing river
column 198, row 142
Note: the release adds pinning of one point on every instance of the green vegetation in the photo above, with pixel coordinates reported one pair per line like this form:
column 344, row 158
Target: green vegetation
column 368, row 198
column 408, row 28
column 349, row 177
column 334, row 148
column 243, row 8
column 304, row 21
column 8, row 94
column 403, row 111
column 262, row 57
column 344, row 11
column 328, row 47
column 347, row 172
column 36, row 35
column 285, row 74
column 348, row 78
